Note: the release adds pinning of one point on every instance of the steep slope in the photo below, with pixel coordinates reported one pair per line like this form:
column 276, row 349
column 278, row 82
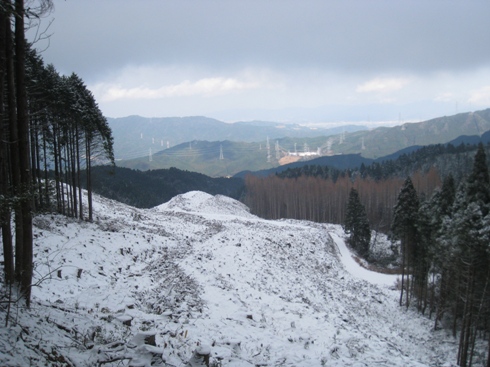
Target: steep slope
column 200, row 273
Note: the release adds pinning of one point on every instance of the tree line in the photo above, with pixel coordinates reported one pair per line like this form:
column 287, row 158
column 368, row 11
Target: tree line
column 445, row 247
column 320, row 199
column 147, row 189
column 51, row 129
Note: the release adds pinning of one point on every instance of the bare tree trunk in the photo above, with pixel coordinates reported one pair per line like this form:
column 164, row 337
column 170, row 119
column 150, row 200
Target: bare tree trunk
column 488, row 358
column 8, row 253
column 403, row 273
column 73, row 190
column 67, row 185
column 14, row 149
column 89, row 179
column 45, row 163
column 25, row 169
column 467, row 324
column 79, row 183
column 57, row 168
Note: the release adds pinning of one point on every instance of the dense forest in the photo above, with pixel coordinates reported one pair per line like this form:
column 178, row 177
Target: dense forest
column 323, row 198
column 146, row 189
column 320, row 193
column 48, row 123
column 446, row 255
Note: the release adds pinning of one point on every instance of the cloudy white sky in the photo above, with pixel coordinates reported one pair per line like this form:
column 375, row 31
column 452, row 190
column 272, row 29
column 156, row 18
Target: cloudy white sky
column 295, row 60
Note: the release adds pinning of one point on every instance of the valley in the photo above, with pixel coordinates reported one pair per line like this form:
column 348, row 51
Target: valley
column 201, row 273
column 252, row 201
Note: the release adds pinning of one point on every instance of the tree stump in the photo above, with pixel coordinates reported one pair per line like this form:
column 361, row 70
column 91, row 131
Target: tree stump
column 125, row 319
column 200, row 357
column 144, row 338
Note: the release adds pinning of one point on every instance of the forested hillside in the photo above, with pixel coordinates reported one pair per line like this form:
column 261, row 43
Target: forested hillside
column 445, row 251
column 149, row 188
column 146, row 189
column 380, row 142
column 215, row 159
column 320, row 193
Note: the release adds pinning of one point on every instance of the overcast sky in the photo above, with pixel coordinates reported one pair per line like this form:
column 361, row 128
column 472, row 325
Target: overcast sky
column 301, row 60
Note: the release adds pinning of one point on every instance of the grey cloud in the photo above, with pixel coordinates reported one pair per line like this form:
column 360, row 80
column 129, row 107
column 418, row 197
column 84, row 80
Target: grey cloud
column 94, row 37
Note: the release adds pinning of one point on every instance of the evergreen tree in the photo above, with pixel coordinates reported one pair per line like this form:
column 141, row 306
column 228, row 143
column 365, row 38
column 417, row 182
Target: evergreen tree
column 43, row 122
column 464, row 260
column 448, row 192
column 470, row 244
column 478, row 183
column 440, row 213
column 356, row 224
column 432, row 258
column 404, row 228
column 424, row 255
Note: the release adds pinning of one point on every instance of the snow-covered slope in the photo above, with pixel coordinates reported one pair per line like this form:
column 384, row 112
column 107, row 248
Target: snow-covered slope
column 202, row 273
column 202, row 203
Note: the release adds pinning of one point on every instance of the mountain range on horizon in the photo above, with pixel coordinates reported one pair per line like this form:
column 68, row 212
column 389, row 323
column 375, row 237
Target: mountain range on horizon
column 415, row 111
column 135, row 136
column 234, row 149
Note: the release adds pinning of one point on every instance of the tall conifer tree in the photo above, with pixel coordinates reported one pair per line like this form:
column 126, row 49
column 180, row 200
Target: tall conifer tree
column 356, row 224
column 470, row 242
column 404, row 227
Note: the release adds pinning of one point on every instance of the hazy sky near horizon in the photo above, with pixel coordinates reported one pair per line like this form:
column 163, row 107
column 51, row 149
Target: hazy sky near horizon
column 275, row 59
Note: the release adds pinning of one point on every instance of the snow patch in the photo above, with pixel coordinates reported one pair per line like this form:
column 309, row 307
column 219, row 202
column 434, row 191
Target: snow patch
column 201, row 202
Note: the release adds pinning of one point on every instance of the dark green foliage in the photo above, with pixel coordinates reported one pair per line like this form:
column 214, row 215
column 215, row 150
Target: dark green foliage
column 467, row 242
column 478, row 183
column 446, row 256
column 404, row 227
column 308, row 170
column 424, row 254
column 356, row 224
column 448, row 193
column 447, row 158
column 146, row 189
column 405, row 211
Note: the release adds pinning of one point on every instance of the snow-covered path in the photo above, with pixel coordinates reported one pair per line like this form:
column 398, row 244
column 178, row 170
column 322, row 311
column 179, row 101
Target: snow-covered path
column 357, row 270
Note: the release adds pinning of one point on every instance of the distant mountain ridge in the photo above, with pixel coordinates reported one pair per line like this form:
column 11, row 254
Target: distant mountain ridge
column 383, row 141
column 226, row 157
column 136, row 136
